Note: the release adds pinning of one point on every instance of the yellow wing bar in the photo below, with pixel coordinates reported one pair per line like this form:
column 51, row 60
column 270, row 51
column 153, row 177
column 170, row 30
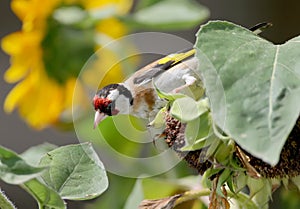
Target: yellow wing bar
column 177, row 57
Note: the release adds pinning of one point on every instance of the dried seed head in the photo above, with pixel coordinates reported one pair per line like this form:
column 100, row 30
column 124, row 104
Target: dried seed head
column 174, row 137
column 289, row 163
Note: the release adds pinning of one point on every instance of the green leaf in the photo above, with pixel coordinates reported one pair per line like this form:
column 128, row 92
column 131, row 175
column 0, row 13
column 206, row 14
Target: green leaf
column 5, row 202
column 46, row 197
column 75, row 172
column 260, row 191
column 206, row 179
column 34, row 154
column 168, row 96
column 296, row 181
column 187, row 109
column 146, row 3
column 253, row 86
column 242, row 200
column 169, row 14
column 159, row 120
column 223, row 152
column 14, row 170
column 230, row 184
column 225, row 175
column 100, row 13
column 197, row 131
column 70, row 15
column 184, row 109
column 213, row 146
column 240, row 181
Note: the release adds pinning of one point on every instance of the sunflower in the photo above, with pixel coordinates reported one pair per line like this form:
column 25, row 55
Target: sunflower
column 47, row 54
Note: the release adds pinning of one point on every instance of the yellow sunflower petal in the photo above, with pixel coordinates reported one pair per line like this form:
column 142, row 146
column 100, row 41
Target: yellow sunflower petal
column 20, row 8
column 10, row 43
column 69, row 91
column 20, row 43
column 25, row 52
column 80, row 98
column 116, row 29
column 40, row 99
column 78, row 101
column 74, row 1
column 112, row 69
column 16, row 95
column 33, row 8
column 17, row 71
column 43, row 105
column 123, row 6
column 33, row 13
column 21, row 66
column 107, row 68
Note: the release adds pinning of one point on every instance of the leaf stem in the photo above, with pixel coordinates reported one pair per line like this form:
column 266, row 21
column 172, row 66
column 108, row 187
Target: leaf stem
column 191, row 195
column 218, row 134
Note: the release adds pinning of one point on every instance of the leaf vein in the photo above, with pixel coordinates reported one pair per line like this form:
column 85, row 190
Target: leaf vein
column 289, row 69
column 271, row 91
column 69, row 177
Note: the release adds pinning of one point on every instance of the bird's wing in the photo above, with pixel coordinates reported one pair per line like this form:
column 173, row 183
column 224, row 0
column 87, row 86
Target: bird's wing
column 151, row 71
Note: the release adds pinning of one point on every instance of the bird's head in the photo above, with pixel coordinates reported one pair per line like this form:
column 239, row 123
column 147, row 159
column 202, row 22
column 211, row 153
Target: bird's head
column 111, row 100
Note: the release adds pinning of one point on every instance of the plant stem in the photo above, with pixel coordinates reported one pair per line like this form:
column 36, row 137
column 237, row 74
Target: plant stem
column 191, row 195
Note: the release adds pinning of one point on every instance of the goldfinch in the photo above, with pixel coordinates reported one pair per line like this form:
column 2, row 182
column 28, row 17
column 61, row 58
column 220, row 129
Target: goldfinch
column 137, row 96
column 177, row 73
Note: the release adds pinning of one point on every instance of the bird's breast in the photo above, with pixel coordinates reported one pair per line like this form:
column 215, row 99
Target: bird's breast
column 146, row 103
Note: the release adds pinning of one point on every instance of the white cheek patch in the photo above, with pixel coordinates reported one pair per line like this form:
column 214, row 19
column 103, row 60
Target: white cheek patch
column 122, row 104
column 113, row 95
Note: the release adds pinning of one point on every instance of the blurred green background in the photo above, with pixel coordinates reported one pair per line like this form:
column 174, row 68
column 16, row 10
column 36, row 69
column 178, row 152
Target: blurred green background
column 16, row 135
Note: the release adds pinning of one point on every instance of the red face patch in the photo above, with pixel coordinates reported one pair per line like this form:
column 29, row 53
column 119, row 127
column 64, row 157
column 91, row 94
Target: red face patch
column 100, row 103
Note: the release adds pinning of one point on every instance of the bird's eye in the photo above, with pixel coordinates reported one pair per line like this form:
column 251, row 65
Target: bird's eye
column 108, row 109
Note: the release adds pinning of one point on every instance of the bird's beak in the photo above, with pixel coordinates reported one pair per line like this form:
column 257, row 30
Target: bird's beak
column 99, row 116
